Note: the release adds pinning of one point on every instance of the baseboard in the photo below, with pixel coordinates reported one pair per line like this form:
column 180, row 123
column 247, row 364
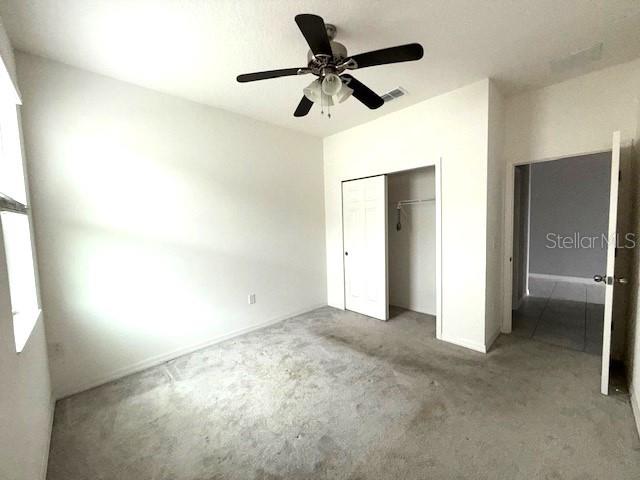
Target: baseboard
column 412, row 308
column 635, row 406
column 45, row 455
column 519, row 303
column 160, row 359
column 563, row 278
column 492, row 340
column 478, row 347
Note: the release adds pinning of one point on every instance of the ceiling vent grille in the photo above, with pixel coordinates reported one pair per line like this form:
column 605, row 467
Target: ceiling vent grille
column 393, row 94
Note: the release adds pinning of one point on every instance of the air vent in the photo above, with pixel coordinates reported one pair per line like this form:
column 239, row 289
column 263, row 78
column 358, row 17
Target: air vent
column 393, row 94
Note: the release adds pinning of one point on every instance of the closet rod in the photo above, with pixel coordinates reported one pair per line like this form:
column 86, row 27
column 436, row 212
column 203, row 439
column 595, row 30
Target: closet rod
column 413, row 202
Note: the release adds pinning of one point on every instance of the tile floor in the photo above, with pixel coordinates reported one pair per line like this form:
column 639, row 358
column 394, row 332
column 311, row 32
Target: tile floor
column 565, row 314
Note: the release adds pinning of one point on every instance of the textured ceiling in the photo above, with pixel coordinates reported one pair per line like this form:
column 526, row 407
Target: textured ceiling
column 195, row 48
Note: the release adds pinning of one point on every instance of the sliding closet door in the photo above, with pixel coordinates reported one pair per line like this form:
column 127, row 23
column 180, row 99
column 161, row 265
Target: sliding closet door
column 364, row 209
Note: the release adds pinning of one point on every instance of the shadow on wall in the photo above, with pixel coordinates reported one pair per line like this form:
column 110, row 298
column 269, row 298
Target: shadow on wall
column 155, row 218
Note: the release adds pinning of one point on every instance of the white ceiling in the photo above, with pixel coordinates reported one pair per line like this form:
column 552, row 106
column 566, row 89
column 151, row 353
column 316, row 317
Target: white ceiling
column 195, row 48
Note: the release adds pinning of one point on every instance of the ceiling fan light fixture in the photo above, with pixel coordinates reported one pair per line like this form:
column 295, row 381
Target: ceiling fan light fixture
column 315, row 92
column 344, row 93
column 331, row 84
column 328, row 60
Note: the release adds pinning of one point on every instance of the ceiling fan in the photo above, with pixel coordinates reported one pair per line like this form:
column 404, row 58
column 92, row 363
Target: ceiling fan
column 328, row 60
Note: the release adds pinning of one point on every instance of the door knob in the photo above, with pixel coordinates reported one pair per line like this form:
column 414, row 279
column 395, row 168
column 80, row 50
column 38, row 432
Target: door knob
column 609, row 280
column 346, row 253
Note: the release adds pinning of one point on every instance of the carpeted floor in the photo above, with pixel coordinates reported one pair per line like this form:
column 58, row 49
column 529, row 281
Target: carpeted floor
column 333, row 394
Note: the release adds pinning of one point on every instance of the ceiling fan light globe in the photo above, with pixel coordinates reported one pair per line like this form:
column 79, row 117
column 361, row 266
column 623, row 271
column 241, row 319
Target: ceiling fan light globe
column 344, row 93
column 313, row 91
column 331, row 84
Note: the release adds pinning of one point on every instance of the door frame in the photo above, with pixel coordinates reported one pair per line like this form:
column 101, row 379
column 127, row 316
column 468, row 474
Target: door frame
column 438, row 188
column 507, row 270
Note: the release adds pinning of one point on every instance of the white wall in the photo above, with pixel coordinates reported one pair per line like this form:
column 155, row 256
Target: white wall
column 26, row 407
column 452, row 126
column 155, row 217
column 579, row 116
column 633, row 328
column 412, row 250
column 633, row 346
column 573, row 117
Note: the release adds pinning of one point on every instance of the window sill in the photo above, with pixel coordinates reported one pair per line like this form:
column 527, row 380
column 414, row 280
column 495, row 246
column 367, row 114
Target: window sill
column 23, row 325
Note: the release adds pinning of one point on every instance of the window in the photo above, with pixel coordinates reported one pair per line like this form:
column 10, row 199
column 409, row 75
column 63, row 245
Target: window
column 14, row 218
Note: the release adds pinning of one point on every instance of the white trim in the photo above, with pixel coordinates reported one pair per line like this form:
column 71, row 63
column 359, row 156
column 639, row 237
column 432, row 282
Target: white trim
column 10, row 87
column 611, row 261
column 528, row 267
column 507, row 264
column 492, row 340
column 165, row 357
column 635, row 407
column 438, row 192
column 45, row 454
column 564, row 278
column 438, row 183
column 461, row 342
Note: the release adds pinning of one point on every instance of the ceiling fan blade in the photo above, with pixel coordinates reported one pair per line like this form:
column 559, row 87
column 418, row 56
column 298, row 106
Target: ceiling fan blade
column 283, row 72
column 303, row 107
column 401, row 53
column 363, row 93
column 315, row 33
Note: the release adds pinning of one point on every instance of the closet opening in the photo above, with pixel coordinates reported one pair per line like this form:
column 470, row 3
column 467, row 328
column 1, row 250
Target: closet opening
column 412, row 243
column 391, row 249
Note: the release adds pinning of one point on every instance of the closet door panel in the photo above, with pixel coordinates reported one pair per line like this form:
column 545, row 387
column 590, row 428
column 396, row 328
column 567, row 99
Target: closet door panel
column 365, row 246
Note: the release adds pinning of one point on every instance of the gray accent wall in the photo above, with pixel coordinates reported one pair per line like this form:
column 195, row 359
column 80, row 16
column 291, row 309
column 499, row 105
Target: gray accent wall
column 569, row 196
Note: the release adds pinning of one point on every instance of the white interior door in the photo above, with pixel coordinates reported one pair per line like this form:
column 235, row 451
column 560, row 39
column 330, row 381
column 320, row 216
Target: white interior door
column 609, row 277
column 364, row 210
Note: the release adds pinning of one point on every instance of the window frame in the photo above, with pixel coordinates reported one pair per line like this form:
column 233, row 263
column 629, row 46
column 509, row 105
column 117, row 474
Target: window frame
column 11, row 145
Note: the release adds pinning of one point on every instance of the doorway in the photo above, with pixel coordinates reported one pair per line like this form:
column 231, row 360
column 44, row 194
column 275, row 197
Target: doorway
column 561, row 213
column 615, row 265
column 391, row 231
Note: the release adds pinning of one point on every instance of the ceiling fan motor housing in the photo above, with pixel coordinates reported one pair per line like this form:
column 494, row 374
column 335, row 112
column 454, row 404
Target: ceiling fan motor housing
column 338, row 50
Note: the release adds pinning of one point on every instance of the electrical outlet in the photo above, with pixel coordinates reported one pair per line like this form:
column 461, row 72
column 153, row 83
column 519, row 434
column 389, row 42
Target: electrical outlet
column 252, row 298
